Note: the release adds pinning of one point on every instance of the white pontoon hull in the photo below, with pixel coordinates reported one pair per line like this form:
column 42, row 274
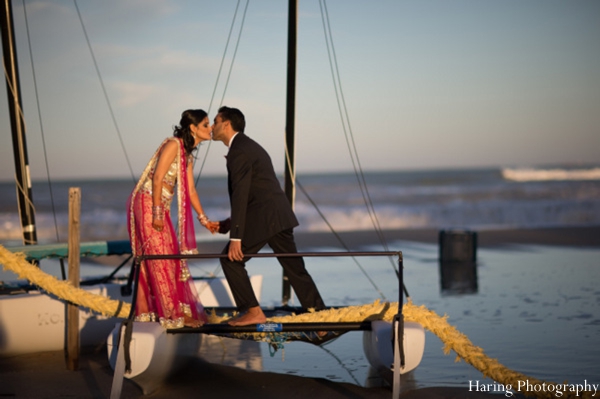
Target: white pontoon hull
column 35, row 322
column 377, row 345
column 155, row 355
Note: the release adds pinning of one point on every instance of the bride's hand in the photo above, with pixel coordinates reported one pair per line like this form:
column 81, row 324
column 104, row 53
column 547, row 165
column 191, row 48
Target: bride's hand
column 213, row 227
column 158, row 224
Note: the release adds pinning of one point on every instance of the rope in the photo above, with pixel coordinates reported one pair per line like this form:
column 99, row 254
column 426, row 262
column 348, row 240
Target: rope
column 64, row 290
column 453, row 339
column 471, row 354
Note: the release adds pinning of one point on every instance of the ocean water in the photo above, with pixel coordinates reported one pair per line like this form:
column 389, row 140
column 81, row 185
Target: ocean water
column 536, row 309
column 476, row 199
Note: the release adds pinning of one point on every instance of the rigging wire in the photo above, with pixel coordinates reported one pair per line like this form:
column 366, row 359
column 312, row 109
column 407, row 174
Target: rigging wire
column 20, row 188
column 228, row 75
column 339, row 238
column 235, row 51
column 224, row 55
column 286, row 149
column 344, row 116
column 39, row 110
column 342, row 242
column 110, row 109
column 226, row 82
column 346, row 122
column 215, row 88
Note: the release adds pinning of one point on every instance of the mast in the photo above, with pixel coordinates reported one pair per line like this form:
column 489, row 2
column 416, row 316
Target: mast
column 13, row 91
column 290, row 153
column 290, row 112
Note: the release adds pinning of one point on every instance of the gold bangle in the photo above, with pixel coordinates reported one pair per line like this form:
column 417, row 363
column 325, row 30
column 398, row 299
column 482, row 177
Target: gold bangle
column 158, row 212
column 203, row 219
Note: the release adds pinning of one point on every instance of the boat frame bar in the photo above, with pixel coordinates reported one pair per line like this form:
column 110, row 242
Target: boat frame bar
column 273, row 327
column 398, row 322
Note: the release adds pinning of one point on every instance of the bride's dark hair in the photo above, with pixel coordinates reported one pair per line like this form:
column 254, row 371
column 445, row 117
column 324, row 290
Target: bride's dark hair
column 188, row 117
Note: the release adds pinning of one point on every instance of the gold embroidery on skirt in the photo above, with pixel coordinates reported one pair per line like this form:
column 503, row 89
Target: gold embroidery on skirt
column 185, row 272
column 185, row 309
column 146, row 317
column 170, row 324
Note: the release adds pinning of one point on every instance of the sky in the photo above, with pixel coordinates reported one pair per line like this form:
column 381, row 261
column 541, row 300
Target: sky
column 426, row 84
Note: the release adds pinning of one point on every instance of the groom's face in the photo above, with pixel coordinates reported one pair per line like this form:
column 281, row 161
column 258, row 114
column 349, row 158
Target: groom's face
column 218, row 129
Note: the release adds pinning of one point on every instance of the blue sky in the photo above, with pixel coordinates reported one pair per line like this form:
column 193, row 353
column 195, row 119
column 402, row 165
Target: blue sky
column 427, row 83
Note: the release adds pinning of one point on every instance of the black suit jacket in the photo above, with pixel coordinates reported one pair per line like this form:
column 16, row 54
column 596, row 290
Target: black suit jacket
column 259, row 207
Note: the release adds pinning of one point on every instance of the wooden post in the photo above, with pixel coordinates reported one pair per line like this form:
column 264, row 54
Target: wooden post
column 74, row 254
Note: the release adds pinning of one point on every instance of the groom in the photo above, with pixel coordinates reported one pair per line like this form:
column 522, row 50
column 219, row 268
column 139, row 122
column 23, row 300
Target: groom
column 260, row 214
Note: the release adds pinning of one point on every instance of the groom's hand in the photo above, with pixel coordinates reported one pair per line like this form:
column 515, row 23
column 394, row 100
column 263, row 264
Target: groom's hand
column 235, row 251
column 225, row 226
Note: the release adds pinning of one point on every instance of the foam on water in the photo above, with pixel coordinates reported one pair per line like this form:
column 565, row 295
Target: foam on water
column 474, row 199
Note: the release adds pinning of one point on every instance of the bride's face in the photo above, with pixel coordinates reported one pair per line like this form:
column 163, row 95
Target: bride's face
column 201, row 130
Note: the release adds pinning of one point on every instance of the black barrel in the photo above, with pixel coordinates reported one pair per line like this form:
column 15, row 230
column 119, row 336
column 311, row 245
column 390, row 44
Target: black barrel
column 458, row 246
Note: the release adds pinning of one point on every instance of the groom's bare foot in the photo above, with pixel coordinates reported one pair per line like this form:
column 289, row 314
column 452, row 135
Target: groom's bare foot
column 254, row 315
column 191, row 322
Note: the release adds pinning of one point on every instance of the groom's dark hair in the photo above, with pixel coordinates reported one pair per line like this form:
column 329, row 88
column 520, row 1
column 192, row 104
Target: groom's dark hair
column 235, row 117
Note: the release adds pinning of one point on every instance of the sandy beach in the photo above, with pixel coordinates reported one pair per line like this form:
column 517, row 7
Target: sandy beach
column 44, row 375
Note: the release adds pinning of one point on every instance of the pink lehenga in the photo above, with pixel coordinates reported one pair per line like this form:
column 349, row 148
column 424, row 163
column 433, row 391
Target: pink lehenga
column 166, row 292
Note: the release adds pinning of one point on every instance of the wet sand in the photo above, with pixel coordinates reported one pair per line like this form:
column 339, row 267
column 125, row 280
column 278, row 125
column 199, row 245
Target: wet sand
column 44, row 375
column 588, row 236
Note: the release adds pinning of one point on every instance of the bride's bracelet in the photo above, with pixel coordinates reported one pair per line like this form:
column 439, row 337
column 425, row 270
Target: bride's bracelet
column 158, row 212
column 203, row 219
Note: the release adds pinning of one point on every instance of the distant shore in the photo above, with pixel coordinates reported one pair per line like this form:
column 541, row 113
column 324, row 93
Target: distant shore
column 584, row 236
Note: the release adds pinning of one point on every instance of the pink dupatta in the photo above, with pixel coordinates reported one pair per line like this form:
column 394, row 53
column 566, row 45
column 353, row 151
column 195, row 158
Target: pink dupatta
column 185, row 221
column 163, row 296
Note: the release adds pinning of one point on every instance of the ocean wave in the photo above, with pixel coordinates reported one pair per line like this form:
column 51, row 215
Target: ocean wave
column 437, row 199
column 531, row 174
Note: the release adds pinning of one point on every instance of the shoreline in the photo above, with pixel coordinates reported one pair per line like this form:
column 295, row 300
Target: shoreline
column 577, row 237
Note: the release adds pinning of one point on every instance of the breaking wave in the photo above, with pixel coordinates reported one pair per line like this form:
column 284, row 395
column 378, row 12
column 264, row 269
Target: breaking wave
column 531, row 174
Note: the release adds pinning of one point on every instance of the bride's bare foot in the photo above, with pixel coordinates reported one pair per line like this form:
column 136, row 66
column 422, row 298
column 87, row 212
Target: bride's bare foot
column 254, row 315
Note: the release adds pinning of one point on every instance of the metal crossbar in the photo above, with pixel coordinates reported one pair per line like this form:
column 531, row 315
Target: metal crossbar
column 273, row 327
column 272, row 255
column 398, row 323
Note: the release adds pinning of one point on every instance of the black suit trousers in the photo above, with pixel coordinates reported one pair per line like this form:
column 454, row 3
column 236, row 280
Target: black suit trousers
column 303, row 284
